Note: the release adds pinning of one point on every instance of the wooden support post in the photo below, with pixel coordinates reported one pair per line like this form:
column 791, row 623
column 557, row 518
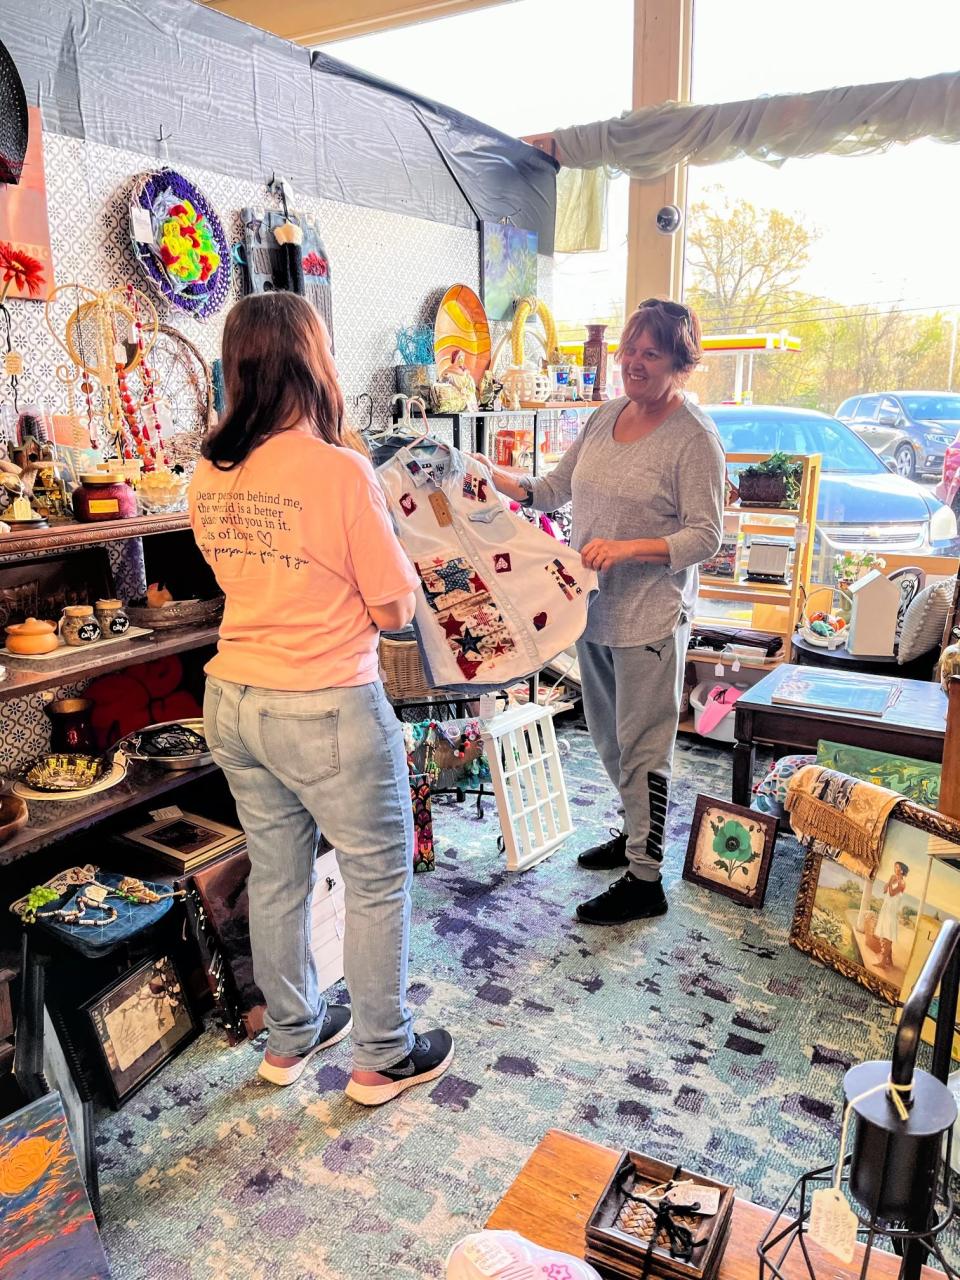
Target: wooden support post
column 950, row 774
column 663, row 57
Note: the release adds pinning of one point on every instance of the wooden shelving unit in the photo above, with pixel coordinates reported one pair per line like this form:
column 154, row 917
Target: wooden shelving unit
column 63, row 537
column 51, row 821
column 800, row 523
column 54, row 820
column 23, row 677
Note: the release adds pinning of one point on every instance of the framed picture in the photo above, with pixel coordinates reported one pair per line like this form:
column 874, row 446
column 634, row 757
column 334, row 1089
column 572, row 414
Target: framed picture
column 49, row 1228
column 186, row 839
column 509, row 267
column 730, row 850
column 918, row 780
column 870, row 930
column 140, row 1023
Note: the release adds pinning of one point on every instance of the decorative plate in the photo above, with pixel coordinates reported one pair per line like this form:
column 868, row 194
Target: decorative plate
column 462, row 325
column 173, row 744
column 114, row 774
column 178, row 240
column 65, row 771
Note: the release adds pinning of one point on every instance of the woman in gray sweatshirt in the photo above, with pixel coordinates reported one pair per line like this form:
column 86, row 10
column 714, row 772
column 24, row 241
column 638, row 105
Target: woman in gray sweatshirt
column 646, row 477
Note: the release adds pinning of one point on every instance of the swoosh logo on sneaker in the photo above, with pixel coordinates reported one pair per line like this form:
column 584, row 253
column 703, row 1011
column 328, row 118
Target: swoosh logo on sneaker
column 408, row 1070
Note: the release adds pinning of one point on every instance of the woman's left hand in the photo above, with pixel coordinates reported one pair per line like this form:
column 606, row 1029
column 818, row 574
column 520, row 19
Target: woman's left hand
column 604, row 553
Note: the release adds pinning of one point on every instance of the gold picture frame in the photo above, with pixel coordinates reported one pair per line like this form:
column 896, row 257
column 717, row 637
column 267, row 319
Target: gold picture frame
column 854, row 925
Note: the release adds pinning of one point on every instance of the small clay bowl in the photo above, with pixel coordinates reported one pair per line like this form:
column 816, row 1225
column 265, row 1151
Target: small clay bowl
column 13, row 816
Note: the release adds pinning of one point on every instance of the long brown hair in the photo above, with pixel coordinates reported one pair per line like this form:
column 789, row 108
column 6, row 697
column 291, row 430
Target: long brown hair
column 277, row 371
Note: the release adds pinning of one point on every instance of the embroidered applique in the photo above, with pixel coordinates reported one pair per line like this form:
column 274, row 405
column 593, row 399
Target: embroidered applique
column 564, row 579
column 469, row 491
column 472, row 624
column 501, row 562
column 481, row 490
column 407, row 504
column 413, row 467
column 540, row 621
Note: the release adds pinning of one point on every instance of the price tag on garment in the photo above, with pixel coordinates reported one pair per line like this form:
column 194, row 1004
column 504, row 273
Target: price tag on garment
column 166, row 815
column 695, row 1197
column 96, row 893
column 13, row 364
column 488, row 706
column 833, row 1224
column 441, row 508
column 141, row 225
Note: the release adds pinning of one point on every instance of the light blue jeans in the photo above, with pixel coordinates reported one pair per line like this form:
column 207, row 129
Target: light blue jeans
column 330, row 760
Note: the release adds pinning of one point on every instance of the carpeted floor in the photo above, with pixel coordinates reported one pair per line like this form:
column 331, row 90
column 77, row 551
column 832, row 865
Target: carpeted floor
column 701, row 1037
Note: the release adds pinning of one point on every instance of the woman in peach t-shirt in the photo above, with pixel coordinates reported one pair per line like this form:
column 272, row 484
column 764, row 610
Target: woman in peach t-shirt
column 288, row 513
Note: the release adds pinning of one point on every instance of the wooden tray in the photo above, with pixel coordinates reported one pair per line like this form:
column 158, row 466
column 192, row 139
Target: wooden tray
column 622, row 1253
column 131, row 633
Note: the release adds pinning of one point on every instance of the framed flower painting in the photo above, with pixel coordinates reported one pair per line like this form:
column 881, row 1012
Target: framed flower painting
column 730, row 850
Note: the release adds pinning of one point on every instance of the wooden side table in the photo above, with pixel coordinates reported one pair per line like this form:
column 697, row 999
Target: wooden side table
column 555, row 1192
column 806, row 654
column 914, row 726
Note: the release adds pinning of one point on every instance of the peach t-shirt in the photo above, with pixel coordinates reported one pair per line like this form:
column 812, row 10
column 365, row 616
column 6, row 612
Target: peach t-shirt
column 300, row 541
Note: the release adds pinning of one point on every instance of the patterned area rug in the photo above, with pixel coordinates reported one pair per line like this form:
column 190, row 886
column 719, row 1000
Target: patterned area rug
column 701, row 1037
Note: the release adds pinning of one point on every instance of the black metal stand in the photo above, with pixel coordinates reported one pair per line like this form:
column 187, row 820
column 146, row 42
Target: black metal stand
column 790, row 1226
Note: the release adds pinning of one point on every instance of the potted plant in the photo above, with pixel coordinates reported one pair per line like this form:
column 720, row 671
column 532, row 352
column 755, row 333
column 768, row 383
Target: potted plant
column 851, row 566
column 772, row 483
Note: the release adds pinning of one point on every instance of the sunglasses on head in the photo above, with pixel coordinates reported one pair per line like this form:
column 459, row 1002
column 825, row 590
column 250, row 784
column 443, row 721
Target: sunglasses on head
column 675, row 309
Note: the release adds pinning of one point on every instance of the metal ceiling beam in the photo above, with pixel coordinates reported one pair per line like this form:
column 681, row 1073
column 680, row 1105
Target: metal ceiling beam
column 313, row 22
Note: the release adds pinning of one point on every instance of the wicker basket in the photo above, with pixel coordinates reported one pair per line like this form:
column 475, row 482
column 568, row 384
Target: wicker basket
column 401, row 669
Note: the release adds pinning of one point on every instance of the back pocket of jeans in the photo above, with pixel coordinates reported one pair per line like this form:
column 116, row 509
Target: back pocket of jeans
column 301, row 746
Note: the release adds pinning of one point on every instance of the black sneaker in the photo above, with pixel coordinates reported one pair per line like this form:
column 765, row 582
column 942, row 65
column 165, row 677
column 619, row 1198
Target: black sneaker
column 627, row 899
column 279, row 1070
column 430, row 1056
column 604, row 857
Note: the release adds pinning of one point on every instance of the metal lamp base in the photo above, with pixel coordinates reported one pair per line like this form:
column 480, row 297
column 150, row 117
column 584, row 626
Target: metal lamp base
column 789, row 1230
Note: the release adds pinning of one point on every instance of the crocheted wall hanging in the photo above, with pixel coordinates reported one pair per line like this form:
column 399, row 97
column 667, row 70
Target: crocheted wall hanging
column 179, row 242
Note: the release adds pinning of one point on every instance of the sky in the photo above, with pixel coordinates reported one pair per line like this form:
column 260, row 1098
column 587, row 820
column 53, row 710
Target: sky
column 887, row 223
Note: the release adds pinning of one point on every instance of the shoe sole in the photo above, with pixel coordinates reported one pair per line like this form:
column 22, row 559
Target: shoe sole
column 650, row 915
column 374, row 1095
column 290, row 1075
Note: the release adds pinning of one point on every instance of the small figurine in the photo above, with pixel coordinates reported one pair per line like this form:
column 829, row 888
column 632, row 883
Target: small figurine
column 459, row 376
column 490, row 392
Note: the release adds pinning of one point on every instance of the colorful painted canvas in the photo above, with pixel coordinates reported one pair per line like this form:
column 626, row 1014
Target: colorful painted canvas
column 730, row 850
column 917, row 779
column 47, row 1227
column 23, row 212
column 509, row 257
column 867, row 929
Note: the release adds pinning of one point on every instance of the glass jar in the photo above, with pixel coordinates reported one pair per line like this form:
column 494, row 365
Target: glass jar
column 78, row 626
column 112, row 618
column 103, row 495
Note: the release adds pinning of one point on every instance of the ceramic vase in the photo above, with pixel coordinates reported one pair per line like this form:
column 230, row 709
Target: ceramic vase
column 595, row 354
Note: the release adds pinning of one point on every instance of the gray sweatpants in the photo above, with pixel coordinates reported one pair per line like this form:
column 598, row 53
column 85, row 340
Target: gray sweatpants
column 631, row 700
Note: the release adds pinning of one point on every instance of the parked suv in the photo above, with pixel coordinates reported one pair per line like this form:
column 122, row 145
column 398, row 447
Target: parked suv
column 910, row 430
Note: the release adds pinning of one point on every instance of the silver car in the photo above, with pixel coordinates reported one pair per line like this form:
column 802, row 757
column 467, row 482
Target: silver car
column 909, row 430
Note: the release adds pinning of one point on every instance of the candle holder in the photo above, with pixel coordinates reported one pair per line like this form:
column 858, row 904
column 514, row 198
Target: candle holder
column 897, row 1174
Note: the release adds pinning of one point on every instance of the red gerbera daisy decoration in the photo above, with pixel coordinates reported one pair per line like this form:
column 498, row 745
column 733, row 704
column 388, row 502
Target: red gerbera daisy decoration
column 19, row 270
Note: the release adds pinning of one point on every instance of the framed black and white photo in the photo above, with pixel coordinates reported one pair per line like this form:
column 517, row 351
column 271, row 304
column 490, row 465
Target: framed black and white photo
column 139, row 1023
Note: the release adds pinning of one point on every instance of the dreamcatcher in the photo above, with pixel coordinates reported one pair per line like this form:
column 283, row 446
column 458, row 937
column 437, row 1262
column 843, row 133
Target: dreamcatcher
column 107, row 335
column 180, row 387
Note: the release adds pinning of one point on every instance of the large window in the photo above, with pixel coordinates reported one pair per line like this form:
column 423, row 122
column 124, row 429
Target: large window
column 528, row 67
column 853, row 256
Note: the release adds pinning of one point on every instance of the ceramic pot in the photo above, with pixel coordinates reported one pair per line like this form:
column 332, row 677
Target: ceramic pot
column 78, row 626
column 112, row 617
column 32, row 637
column 595, row 354
column 71, row 729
